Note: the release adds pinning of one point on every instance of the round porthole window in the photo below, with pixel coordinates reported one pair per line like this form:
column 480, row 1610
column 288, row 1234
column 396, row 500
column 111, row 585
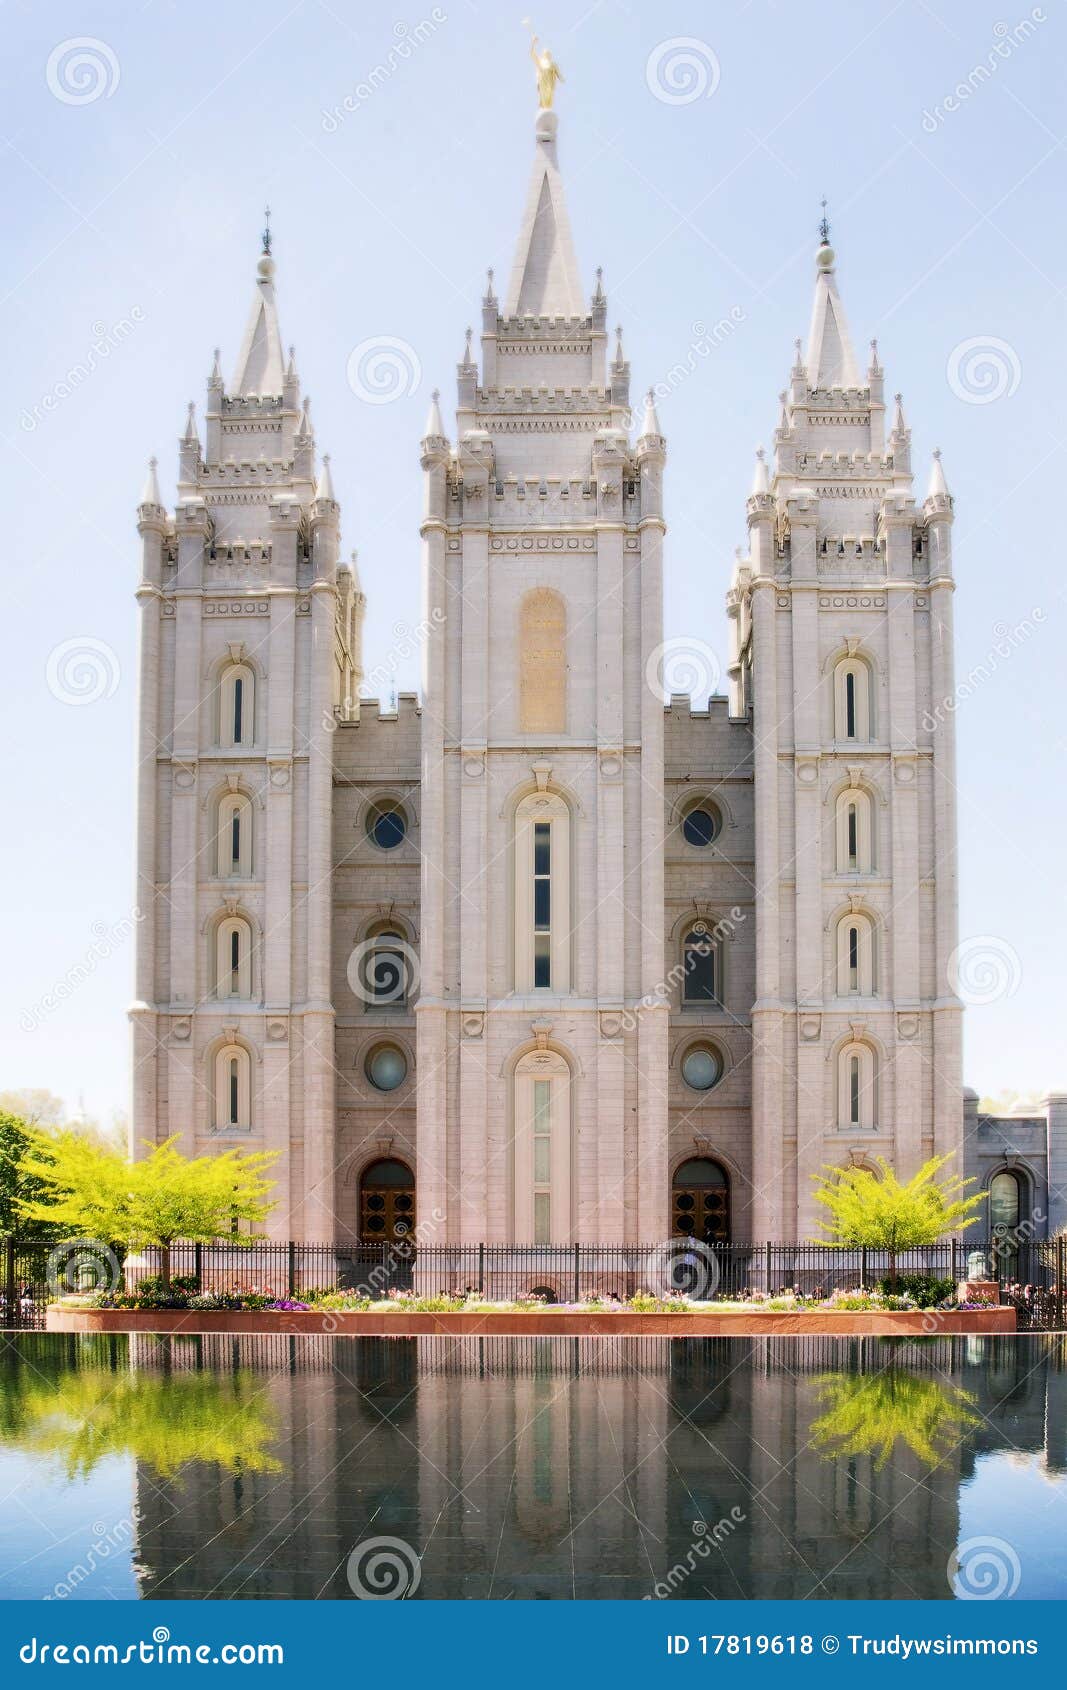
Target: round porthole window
column 700, row 825
column 387, row 825
column 386, row 1067
column 701, row 1067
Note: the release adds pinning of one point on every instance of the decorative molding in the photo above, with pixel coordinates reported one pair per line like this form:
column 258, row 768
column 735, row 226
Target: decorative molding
column 807, row 768
column 544, row 543
column 611, row 1023
column 908, row 1025
column 183, row 773
column 542, row 773
column 852, row 602
column 610, row 762
column 277, row 1029
column 542, row 1032
column 236, row 607
column 182, row 1029
column 474, row 764
column 810, row 1027
column 473, row 1025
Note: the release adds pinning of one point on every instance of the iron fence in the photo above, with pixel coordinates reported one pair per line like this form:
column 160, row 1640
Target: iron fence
column 1031, row 1273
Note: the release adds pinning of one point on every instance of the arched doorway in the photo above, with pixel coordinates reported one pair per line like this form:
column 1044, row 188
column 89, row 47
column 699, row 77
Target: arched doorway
column 1005, row 1213
column 700, row 1201
column 386, row 1202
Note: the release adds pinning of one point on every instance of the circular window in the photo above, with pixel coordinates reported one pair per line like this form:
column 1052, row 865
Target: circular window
column 701, row 1068
column 387, row 825
column 700, row 825
column 386, row 1067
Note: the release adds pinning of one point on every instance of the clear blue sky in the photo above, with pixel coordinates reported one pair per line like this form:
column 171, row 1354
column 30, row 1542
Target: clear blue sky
column 142, row 207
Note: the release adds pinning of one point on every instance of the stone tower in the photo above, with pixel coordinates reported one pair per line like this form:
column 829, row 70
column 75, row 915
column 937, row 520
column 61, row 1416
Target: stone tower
column 541, row 1084
column 842, row 619
column 245, row 651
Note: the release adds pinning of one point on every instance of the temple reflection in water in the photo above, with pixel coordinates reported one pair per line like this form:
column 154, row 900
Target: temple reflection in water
column 559, row 1468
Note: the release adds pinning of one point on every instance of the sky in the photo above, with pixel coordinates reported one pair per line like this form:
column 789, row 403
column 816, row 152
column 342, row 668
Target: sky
column 141, row 145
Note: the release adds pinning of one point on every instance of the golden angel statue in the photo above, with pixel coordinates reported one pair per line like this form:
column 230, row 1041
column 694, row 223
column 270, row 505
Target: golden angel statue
column 548, row 74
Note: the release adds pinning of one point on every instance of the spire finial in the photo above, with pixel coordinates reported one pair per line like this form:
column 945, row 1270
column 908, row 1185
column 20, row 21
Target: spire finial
column 824, row 225
column 267, row 237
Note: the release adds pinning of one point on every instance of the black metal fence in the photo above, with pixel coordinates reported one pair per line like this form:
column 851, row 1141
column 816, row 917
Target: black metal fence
column 1031, row 1273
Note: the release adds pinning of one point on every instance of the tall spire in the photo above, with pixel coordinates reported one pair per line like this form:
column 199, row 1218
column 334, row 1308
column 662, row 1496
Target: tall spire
column 261, row 364
column 830, row 360
column 938, row 487
column 544, row 277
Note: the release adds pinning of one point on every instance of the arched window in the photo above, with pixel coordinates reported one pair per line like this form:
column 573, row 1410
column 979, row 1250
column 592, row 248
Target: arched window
column 237, row 701
column 386, row 1202
column 542, row 894
column 235, row 836
column 542, row 1149
column 700, row 966
column 700, row 1201
column 1005, row 1204
column 387, row 969
column 856, row 1096
column 854, row 832
column 853, row 717
column 543, row 662
column 855, row 956
column 233, row 1089
column 233, row 958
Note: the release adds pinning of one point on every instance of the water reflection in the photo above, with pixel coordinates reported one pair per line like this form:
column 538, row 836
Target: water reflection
column 553, row 1468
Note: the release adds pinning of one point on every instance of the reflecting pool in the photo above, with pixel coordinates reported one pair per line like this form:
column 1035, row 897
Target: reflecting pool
column 532, row 1468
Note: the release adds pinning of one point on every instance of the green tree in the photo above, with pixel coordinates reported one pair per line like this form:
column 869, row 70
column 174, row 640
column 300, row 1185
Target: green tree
column 870, row 1413
column 90, row 1189
column 877, row 1211
column 16, row 1185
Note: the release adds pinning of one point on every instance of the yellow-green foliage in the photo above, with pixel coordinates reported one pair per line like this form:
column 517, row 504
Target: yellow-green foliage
column 869, row 1414
column 164, row 1420
column 93, row 1190
column 878, row 1211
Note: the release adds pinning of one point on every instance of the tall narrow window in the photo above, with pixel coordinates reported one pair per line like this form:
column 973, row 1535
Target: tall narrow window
column 699, row 985
column 231, row 1092
column 542, row 891
column 850, row 706
column 237, row 706
column 233, row 959
column 853, row 837
column 856, row 1088
column 235, row 835
column 852, row 701
column 542, row 1161
column 855, row 956
column 853, row 959
column 854, row 827
column 234, row 1092
column 542, row 894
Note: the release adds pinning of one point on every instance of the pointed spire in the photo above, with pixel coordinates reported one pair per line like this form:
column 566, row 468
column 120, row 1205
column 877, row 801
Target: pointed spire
column 831, row 361
column 191, row 436
column 544, row 277
column 260, row 365
column 761, row 482
column 783, row 412
column 435, row 428
column 215, row 378
column 324, row 489
column 938, row 487
column 650, row 426
column 900, row 427
column 468, row 361
column 599, row 295
column 303, row 429
column 490, row 296
column 150, row 494
column 290, row 369
column 620, row 355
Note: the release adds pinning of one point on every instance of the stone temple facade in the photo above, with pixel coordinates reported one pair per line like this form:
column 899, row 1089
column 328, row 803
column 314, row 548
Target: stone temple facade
column 545, row 957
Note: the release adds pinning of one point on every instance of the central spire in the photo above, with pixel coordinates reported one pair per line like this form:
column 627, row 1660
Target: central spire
column 831, row 361
column 261, row 366
column 544, row 277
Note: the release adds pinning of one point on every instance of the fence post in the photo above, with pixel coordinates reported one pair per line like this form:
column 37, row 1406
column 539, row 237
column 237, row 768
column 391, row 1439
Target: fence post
column 198, row 1264
column 955, row 1261
column 481, row 1270
column 1059, row 1283
column 863, row 1266
column 577, row 1273
column 292, row 1268
column 13, row 1311
column 767, row 1286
